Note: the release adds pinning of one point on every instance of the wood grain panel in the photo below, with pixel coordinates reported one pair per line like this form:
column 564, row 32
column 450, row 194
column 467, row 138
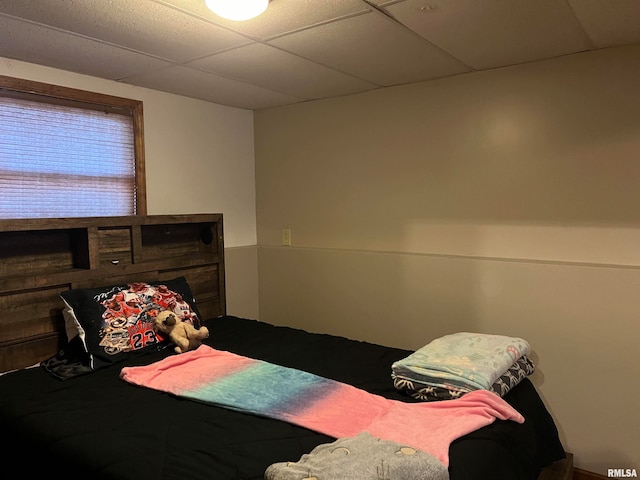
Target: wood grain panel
column 114, row 246
column 30, row 313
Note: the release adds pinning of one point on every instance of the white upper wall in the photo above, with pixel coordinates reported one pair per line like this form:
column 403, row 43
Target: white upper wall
column 199, row 156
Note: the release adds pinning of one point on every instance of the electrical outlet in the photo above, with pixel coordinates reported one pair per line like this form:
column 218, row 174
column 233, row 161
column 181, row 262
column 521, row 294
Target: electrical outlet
column 286, row 237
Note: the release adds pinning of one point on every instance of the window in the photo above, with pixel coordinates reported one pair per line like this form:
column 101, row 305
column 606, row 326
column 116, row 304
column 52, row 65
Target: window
column 69, row 153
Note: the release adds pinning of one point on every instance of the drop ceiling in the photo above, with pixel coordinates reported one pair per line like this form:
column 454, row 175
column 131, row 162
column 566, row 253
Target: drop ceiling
column 301, row 50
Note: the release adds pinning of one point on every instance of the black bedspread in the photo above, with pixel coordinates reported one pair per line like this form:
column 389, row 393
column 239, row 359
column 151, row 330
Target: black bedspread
column 97, row 426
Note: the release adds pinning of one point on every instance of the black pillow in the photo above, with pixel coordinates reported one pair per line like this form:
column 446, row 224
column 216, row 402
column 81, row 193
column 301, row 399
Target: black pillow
column 117, row 321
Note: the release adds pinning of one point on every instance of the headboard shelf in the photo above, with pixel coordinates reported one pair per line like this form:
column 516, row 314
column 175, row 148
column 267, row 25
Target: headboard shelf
column 39, row 258
column 31, row 224
column 78, row 276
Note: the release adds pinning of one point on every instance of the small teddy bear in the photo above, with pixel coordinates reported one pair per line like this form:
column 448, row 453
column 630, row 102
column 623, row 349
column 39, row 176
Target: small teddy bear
column 184, row 335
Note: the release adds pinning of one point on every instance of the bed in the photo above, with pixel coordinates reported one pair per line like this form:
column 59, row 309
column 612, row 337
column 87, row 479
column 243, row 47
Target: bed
column 88, row 422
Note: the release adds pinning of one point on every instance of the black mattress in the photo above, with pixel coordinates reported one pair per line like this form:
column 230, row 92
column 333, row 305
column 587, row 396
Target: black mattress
column 98, row 426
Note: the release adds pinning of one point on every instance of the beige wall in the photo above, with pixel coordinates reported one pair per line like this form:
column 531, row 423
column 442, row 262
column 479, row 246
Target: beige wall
column 241, row 265
column 505, row 202
column 199, row 159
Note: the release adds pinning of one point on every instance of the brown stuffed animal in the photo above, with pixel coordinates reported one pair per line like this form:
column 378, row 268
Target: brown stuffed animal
column 184, row 335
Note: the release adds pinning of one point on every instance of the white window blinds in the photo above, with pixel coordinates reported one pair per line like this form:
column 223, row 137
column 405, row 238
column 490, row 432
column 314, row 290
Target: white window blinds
column 59, row 160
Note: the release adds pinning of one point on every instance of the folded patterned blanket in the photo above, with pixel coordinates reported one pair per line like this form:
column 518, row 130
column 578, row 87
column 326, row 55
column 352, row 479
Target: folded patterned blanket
column 425, row 390
column 461, row 361
column 362, row 457
column 326, row 406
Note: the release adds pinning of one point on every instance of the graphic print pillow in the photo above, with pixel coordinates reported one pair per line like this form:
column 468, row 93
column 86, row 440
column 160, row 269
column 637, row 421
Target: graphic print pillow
column 116, row 321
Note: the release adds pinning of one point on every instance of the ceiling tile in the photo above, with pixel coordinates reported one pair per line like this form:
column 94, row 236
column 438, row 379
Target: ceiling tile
column 44, row 46
column 614, row 22
column 493, row 33
column 283, row 72
column 303, row 49
column 372, row 47
column 143, row 26
column 281, row 16
column 193, row 83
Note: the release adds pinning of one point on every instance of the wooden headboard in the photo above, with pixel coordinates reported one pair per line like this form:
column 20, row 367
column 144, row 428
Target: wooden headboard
column 39, row 258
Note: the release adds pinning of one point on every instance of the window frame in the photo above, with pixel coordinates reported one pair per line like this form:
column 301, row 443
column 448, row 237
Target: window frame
column 55, row 94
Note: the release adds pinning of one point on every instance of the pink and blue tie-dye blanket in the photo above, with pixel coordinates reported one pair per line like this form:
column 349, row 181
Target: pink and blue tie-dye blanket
column 326, row 406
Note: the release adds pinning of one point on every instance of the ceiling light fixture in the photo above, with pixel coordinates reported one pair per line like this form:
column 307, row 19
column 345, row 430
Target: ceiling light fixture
column 237, row 9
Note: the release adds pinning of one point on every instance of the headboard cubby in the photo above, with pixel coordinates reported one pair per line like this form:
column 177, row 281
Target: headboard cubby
column 39, row 258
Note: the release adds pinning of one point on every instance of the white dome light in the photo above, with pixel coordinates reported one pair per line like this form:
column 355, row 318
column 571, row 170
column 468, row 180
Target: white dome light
column 237, row 9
